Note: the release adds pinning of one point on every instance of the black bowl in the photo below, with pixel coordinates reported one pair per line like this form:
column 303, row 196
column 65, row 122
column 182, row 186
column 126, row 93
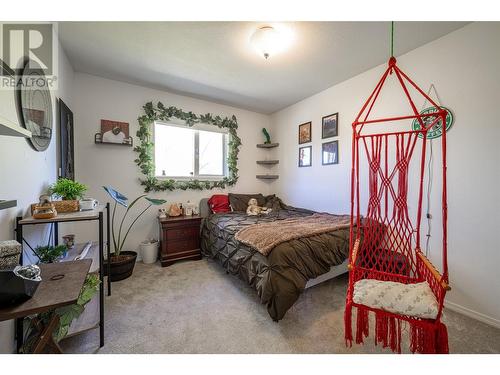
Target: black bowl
column 14, row 289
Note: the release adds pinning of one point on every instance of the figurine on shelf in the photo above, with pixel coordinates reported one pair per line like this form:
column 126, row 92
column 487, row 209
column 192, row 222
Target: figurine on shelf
column 162, row 213
column 69, row 241
column 266, row 134
column 189, row 209
column 44, row 209
column 174, row 210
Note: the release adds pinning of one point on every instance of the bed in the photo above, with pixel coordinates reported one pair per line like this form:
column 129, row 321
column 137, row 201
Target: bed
column 290, row 267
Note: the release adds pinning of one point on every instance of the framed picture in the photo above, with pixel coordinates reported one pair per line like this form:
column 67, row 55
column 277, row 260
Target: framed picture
column 330, row 153
column 66, row 142
column 329, row 126
column 305, row 133
column 305, row 156
column 114, row 132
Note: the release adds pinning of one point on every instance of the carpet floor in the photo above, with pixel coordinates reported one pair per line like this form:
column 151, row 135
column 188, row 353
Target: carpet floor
column 195, row 307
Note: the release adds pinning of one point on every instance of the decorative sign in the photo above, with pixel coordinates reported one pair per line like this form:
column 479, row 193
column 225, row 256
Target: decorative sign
column 437, row 130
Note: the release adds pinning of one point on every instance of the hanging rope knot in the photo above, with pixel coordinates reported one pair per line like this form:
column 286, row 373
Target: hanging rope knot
column 392, row 63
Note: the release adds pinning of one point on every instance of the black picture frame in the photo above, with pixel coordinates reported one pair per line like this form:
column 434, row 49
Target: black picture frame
column 66, row 142
column 330, row 126
column 305, row 132
column 305, row 157
column 330, row 153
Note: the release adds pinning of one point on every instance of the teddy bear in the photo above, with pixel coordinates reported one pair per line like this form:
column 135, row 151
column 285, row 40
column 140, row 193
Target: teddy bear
column 254, row 209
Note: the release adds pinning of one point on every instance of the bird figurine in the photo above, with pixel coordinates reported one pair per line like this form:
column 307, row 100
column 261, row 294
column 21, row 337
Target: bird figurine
column 266, row 134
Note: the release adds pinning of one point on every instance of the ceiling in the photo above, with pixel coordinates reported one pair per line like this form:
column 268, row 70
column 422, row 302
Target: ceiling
column 214, row 60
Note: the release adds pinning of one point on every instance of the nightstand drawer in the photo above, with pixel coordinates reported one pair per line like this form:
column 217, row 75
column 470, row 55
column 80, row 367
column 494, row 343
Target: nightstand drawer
column 182, row 245
column 173, row 234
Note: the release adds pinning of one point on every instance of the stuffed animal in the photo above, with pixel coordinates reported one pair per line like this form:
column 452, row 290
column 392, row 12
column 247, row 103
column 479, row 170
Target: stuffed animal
column 254, row 209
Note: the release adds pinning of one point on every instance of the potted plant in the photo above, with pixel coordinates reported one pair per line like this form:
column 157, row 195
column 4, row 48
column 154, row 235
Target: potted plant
column 122, row 262
column 49, row 254
column 69, row 191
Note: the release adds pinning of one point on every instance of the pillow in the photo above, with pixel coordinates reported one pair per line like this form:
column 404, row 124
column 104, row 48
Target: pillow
column 219, row 203
column 239, row 202
column 273, row 202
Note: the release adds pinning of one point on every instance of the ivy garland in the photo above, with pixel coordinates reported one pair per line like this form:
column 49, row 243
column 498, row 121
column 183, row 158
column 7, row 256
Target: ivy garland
column 145, row 149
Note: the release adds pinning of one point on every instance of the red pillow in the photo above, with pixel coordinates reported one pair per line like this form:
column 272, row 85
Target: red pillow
column 219, row 203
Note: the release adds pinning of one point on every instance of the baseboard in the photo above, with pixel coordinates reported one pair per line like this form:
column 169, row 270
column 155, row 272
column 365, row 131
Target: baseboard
column 472, row 314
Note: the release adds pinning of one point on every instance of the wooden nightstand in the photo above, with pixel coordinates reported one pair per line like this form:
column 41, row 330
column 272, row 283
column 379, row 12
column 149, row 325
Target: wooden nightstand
column 180, row 239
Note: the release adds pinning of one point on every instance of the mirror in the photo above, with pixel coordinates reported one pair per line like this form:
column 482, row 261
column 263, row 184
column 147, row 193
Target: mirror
column 35, row 105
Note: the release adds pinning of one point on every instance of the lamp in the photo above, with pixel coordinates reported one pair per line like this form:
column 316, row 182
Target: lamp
column 267, row 41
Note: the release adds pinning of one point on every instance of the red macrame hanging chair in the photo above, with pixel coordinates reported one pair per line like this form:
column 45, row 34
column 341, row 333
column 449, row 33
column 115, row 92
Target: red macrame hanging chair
column 389, row 274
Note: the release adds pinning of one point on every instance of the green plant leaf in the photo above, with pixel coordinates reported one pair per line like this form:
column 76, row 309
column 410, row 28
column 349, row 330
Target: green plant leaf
column 156, row 202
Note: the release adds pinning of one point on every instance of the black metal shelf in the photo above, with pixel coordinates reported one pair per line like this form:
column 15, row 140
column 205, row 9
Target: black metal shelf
column 89, row 319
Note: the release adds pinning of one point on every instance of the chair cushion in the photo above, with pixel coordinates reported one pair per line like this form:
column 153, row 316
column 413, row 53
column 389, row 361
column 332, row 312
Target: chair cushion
column 416, row 300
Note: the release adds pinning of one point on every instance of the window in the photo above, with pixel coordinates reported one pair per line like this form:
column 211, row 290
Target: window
column 184, row 152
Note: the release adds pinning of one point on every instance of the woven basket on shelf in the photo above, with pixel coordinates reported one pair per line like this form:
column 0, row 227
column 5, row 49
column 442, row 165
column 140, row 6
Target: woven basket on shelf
column 40, row 212
column 62, row 206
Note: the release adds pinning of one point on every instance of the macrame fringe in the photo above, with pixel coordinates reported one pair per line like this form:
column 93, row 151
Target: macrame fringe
column 348, row 325
column 424, row 338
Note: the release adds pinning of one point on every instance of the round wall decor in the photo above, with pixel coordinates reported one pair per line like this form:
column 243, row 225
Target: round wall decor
column 35, row 105
column 437, row 130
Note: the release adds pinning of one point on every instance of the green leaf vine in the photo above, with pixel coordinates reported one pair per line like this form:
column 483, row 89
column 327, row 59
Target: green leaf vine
column 145, row 149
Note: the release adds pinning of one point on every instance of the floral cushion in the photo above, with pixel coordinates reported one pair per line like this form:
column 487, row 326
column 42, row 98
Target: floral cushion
column 416, row 300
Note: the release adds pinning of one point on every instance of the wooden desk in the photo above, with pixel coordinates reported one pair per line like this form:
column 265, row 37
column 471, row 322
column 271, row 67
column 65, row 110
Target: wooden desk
column 52, row 294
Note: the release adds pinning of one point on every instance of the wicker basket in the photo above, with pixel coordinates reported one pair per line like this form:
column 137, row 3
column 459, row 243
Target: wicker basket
column 39, row 212
column 67, row 206
column 62, row 206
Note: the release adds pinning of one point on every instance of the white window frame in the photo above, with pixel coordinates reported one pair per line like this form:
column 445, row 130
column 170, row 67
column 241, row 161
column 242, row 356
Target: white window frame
column 196, row 128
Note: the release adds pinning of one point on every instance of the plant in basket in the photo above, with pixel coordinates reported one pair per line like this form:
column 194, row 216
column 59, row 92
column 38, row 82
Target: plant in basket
column 122, row 262
column 69, row 191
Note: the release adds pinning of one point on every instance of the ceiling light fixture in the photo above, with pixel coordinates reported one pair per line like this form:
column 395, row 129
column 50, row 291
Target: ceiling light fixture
column 268, row 41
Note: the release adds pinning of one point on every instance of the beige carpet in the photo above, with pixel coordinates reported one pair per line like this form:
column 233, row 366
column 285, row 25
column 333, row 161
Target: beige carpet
column 195, row 307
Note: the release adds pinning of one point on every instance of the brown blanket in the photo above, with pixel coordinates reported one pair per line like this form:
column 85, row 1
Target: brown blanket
column 266, row 236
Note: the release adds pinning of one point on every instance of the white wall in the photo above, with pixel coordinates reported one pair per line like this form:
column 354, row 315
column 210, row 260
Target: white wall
column 98, row 98
column 463, row 66
column 25, row 174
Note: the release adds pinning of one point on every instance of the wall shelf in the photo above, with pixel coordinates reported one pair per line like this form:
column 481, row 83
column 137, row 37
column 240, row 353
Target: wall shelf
column 4, row 204
column 267, row 145
column 129, row 141
column 267, row 162
column 267, row 176
column 11, row 129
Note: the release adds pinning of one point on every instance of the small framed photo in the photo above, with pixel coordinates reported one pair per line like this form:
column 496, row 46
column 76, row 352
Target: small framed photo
column 114, row 132
column 305, row 156
column 330, row 153
column 329, row 126
column 305, row 133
